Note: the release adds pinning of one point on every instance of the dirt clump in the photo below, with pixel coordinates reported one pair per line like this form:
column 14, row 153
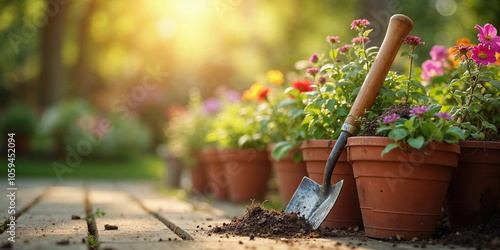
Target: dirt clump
column 371, row 126
column 260, row 222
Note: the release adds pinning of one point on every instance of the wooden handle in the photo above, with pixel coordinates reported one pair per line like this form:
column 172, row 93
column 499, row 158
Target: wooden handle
column 399, row 27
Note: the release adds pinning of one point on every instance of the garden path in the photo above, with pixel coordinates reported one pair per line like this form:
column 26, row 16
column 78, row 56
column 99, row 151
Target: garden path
column 47, row 218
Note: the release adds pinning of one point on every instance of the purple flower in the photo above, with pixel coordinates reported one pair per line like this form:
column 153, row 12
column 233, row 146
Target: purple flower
column 312, row 71
column 444, row 115
column 314, row 58
column 360, row 39
column 439, row 53
column 390, row 118
column 321, row 80
column 488, row 35
column 413, row 41
column 344, row 49
column 419, row 111
column 232, row 96
column 211, row 106
column 431, row 68
column 359, row 24
column 333, row 39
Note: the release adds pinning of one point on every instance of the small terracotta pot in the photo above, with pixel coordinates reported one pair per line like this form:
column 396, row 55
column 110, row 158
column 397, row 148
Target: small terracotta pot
column 217, row 182
column 248, row 172
column 403, row 192
column 346, row 212
column 288, row 172
column 198, row 176
column 475, row 186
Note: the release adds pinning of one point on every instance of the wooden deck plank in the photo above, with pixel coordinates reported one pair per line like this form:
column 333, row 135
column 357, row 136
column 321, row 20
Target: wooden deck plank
column 49, row 221
column 27, row 190
column 136, row 228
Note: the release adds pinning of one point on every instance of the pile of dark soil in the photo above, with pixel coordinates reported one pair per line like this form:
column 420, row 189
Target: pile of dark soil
column 371, row 126
column 259, row 222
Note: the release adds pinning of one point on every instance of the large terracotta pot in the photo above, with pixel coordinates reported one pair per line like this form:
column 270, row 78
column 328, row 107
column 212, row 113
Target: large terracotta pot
column 288, row 172
column 403, row 192
column 346, row 212
column 217, row 182
column 248, row 172
column 475, row 186
column 198, row 176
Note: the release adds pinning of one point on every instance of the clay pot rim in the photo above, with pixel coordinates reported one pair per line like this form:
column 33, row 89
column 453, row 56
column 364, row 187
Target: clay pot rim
column 314, row 143
column 384, row 141
column 480, row 144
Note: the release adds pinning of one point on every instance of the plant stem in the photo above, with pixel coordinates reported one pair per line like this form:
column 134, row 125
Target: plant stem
column 408, row 84
column 471, row 96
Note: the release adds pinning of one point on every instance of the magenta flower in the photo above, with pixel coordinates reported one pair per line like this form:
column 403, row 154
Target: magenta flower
column 321, row 80
column 390, row 118
column 444, row 115
column 314, row 58
column 333, row 39
column 344, row 49
column 483, row 55
column 312, row 71
column 360, row 39
column 419, row 111
column 212, row 106
column 431, row 69
column 413, row 41
column 439, row 53
column 359, row 24
column 488, row 35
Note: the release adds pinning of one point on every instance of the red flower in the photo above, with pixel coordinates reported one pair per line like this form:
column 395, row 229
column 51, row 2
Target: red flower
column 262, row 95
column 302, row 86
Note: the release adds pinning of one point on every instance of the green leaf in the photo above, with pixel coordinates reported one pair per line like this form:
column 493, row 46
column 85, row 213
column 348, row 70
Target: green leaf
column 409, row 123
column 319, row 133
column 405, row 53
column 330, row 105
column 334, row 53
column 313, row 108
column 297, row 157
column 418, row 85
column 388, row 148
column 367, row 32
column 414, row 56
column 281, row 149
column 495, row 83
column 341, row 112
column 326, row 66
column 428, row 129
column 398, row 134
column 455, row 132
column 285, row 103
column 416, row 143
column 489, row 126
column 296, row 112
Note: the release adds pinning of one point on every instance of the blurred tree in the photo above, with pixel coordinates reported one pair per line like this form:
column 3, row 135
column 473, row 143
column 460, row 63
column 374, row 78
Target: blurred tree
column 51, row 84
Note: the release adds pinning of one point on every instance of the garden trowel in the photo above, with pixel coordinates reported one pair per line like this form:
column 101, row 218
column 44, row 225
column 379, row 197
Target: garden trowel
column 314, row 201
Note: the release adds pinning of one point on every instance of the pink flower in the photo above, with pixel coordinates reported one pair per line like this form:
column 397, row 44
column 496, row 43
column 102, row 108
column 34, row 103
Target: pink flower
column 333, row 39
column 312, row 71
column 439, row 53
column 419, row 111
column 431, row 68
column 344, row 49
column 314, row 58
column 488, row 35
column 444, row 115
column 360, row 39
column 359, row 24
column 390, row 118
column 483, row 55
column 413, row 41
column 321, row 80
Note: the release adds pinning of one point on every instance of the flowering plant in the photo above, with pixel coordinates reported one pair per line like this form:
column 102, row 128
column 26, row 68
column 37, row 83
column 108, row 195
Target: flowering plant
column 424, row 125
column 472, row 72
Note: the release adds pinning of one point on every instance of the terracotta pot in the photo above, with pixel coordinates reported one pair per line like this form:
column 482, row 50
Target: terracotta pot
column 216, row 177
column 198, row 176
column 346, row 212
column 173, row 171
column 288, row 172
column 403, row 192
column 248, row 172
column 475, row 186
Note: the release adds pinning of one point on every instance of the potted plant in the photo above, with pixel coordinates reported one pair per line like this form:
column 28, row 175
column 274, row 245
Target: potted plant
column 402, row 174
column 471, row 77
column 240, row 135
column 337, row 79
column 21, row 121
